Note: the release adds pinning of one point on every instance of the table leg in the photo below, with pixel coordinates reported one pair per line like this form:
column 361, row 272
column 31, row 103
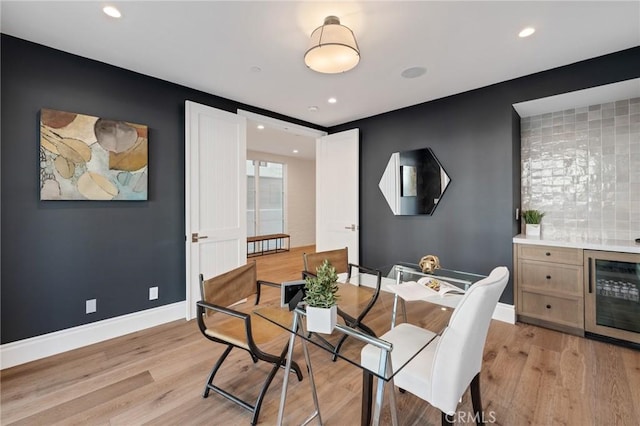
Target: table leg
column 287, row 370
column 285, row 383
column 312, row 382
column 385, row 360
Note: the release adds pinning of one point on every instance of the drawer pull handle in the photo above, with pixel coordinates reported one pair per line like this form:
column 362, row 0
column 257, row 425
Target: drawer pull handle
column 548, row 277
column 548, row 306
column 548, row 254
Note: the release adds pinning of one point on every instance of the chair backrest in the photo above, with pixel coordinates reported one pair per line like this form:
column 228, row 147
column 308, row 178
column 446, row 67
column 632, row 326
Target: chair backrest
column 339, row 259
column 458, row 356
column 228, row 288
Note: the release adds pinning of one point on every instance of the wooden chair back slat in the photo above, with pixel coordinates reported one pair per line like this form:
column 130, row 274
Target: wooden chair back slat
column 230, row 287
column 339, row 259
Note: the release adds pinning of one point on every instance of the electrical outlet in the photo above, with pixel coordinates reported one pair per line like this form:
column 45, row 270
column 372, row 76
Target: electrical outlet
column 153, row 293
column 91, row 306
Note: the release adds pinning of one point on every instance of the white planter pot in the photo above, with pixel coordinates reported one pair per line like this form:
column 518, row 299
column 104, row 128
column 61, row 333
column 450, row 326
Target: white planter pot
column 532, row 229
column 322, row 320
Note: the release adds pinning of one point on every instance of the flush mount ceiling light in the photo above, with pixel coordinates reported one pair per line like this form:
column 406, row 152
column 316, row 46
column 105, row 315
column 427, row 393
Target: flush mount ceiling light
column 333, row 48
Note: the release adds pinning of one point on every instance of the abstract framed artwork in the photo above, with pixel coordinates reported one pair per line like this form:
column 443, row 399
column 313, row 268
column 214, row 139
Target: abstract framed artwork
column 91, row 158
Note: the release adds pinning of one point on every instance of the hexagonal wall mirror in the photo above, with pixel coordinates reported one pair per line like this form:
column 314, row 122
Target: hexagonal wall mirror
column 413, row 182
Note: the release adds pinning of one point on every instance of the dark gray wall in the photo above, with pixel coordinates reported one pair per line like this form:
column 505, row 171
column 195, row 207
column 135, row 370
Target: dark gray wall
column 475, row 135
column 57, row 254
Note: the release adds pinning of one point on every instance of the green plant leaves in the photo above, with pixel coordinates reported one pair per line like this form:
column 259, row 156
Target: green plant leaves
column 321, row 290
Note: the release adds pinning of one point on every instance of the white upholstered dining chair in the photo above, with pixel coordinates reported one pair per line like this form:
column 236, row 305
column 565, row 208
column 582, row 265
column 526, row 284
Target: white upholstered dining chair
column 451, row 362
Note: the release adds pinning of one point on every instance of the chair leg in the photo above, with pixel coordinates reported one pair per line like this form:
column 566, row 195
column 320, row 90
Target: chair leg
column 214, row 370
column 476, row 400
column 367, row 397
column 338, row 346
column 366, row 329
column 294, row 365
column 446, row 419
column 263, row 391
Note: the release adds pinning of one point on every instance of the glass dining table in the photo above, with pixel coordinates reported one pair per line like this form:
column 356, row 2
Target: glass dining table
column 353, row 297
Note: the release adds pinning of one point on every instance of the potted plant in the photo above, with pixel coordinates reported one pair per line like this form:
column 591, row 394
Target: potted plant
column 532, row 219
column 321, row 299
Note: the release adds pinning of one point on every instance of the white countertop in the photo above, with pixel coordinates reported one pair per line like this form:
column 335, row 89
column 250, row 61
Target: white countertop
column 582, row 243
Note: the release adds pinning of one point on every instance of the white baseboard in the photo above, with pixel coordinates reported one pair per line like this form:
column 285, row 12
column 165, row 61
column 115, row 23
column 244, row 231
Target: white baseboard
column 22, row 351
column 505, row 313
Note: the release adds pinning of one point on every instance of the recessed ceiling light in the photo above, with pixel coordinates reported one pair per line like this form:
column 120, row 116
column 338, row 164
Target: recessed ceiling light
column 526, row 32
column 295, row 151
column 255, row 69
column 413, row 72
column 332, row 100
column 313, row 108
column 112, row 11
column 260, row 126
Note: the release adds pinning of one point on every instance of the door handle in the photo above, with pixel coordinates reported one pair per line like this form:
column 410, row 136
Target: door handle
column 352, row 227
column 195, row 237
column 590, row 278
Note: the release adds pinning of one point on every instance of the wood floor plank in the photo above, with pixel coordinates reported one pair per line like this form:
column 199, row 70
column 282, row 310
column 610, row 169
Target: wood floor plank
column 505, row 361
column 534, row 395
column 610, row 383
column 631, row 362
column 91, row 399
column 530, row 375
column 571, row 401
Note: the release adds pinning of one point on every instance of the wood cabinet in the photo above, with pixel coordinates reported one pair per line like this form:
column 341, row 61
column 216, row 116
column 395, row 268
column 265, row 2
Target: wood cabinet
column 549, row 287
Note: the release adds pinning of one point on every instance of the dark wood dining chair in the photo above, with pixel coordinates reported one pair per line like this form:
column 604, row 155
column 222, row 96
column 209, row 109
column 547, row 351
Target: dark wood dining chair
column 223, row 318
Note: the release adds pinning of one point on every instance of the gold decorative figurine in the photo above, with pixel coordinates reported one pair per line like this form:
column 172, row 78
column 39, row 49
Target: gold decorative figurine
column 429, row 263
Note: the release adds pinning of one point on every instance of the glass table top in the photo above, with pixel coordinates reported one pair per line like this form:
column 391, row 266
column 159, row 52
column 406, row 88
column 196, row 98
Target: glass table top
column 356, row 294
column 404, row 271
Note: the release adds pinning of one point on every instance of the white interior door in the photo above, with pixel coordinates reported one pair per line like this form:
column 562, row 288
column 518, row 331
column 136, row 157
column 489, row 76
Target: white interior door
column 215, row 195
column 338, row 193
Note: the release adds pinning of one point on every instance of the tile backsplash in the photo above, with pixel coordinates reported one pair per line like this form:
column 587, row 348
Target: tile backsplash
column 582, row 168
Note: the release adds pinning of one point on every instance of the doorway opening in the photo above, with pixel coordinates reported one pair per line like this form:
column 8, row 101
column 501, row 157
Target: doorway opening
column 281, row 171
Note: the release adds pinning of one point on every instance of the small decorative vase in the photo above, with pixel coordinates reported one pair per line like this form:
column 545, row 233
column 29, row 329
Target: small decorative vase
column 322, row 320
column 532, row 229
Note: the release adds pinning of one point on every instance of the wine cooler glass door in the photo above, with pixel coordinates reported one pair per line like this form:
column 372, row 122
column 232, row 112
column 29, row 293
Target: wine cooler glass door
column 612, row 305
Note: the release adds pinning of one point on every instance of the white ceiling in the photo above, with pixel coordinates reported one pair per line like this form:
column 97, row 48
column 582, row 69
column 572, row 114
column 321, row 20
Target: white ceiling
column 217, row 46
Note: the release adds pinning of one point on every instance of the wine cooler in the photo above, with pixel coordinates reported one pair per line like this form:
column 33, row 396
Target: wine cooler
column 612, row 294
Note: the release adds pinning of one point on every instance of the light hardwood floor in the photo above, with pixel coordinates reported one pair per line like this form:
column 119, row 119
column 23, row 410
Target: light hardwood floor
column 530, row 375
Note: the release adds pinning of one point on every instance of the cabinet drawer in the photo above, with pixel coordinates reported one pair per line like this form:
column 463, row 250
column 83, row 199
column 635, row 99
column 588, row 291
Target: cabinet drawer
column 551, row 277
column 550, row 254
column 566, row 311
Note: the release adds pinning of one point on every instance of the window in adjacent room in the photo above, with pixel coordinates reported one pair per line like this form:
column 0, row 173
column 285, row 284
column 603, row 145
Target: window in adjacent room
column 265, row 199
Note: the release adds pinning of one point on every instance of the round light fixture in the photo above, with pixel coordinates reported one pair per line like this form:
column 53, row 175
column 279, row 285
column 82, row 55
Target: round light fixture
column 526, row 32
column 333, row 48
column 112, row 11
column 295, row 151
column 332, row 100
column 313, row 108
column 260, row 127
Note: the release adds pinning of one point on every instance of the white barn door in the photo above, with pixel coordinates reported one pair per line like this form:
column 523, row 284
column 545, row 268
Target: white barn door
column 337, row 192
column 215, row 195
